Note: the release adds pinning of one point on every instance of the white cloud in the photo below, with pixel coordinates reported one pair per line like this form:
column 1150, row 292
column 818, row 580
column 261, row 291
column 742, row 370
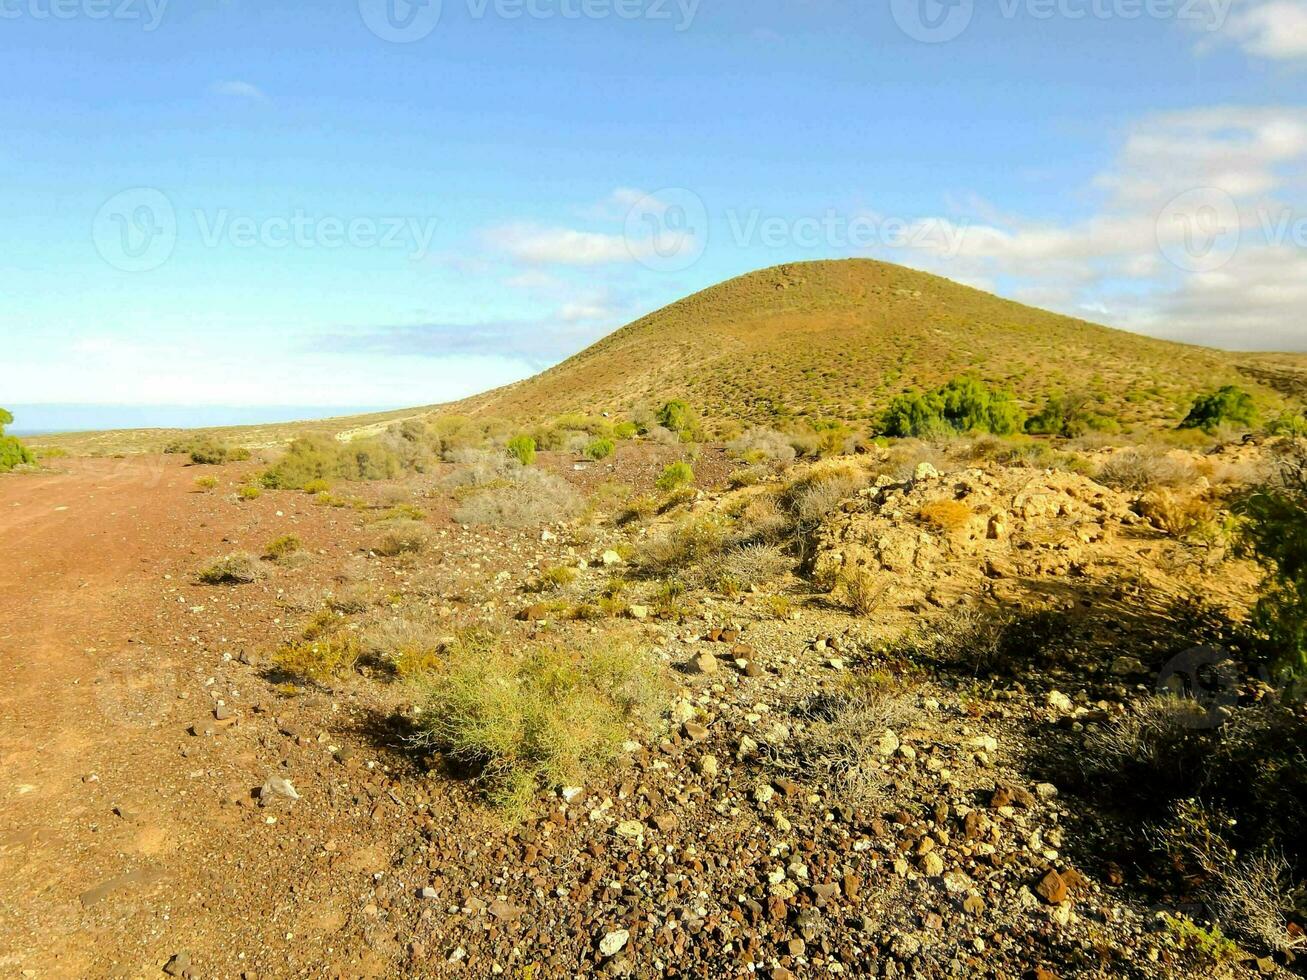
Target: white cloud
column 1273, row 29
column 557, row 246
column 238, row 90
column 1201, row 234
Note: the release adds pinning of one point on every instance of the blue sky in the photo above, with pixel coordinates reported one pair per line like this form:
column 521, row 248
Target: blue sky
column 273, row 203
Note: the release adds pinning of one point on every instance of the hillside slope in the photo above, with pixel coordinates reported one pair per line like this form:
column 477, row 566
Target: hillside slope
column 838, row 339
column 829, row 339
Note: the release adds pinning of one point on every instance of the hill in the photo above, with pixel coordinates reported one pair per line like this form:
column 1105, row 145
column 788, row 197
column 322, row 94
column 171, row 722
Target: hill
column 838, row 339
column 832, row 340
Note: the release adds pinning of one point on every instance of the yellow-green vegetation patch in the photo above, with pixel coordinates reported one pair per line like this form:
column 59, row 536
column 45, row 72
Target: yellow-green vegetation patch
column 541, row 716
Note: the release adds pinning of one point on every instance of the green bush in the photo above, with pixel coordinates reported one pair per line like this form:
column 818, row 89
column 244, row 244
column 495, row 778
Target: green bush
column 1274, row 531
column 309, row 459
column 600, row 449
column 963, row 405
column 523, row 449
column 542, row 717
column 675, row 476
column 12, row 452
column 1293, row 424
column 625, row 430
column 1070, row 416
column 1228, row 404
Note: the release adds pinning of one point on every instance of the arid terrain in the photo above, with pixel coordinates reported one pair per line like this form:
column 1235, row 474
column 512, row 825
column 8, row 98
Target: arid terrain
column 662, row 691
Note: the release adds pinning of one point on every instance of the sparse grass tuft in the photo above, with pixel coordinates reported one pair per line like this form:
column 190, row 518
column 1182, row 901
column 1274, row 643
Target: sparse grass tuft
column 238, row 568
column 318, row 660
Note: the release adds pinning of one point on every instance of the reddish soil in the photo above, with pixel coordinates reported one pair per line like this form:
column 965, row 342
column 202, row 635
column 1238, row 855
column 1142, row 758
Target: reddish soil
column 125, row 839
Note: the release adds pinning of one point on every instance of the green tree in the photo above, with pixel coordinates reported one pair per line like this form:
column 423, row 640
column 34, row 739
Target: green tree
column 12, row 452
column 1229, row 403
column 680, row 418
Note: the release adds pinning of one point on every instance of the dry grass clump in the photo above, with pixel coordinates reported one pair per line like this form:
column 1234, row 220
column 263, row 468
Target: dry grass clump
column 1155, row 741
column 839, row 748
column 1253, row 897
column 403, row 537
column 238, row 568
column 986, row 642
column 206, row 483
column 282, row 548
column 407, row 640
column 556, row 577
column 1137, row 470
column 530, row 498
column 539, row 717
column 945, row 515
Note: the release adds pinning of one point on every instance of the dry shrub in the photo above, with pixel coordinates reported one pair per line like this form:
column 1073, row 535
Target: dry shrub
column 861, row 590
column 1253, row 897
column 407, row 640
column 983, row 641
column 689, row 542
column 945, row 515
column 838, row 748
column 1156, row 743
column 403, row 537
column 1137, row 470
column 238, row 568
column 538, row 717
column 749, row 566
column 318, row 660
column 760, row 444
column 1178, row 515
column 282, row 548
column 760, row 519
column 750, row 476
column 813, row 496
column 530, row 498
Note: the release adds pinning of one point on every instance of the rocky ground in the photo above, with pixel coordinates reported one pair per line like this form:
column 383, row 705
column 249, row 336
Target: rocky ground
column 172, row 802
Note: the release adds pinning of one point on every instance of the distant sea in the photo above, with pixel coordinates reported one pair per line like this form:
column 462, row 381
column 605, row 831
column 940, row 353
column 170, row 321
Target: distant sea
column 35, row 420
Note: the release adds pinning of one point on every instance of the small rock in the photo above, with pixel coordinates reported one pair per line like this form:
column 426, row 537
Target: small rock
column 707, row 766
column 1052, row 888
column 277, row 786
column 179, row 963
column 702, row 663
column 694, row 731
column 613, row 942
